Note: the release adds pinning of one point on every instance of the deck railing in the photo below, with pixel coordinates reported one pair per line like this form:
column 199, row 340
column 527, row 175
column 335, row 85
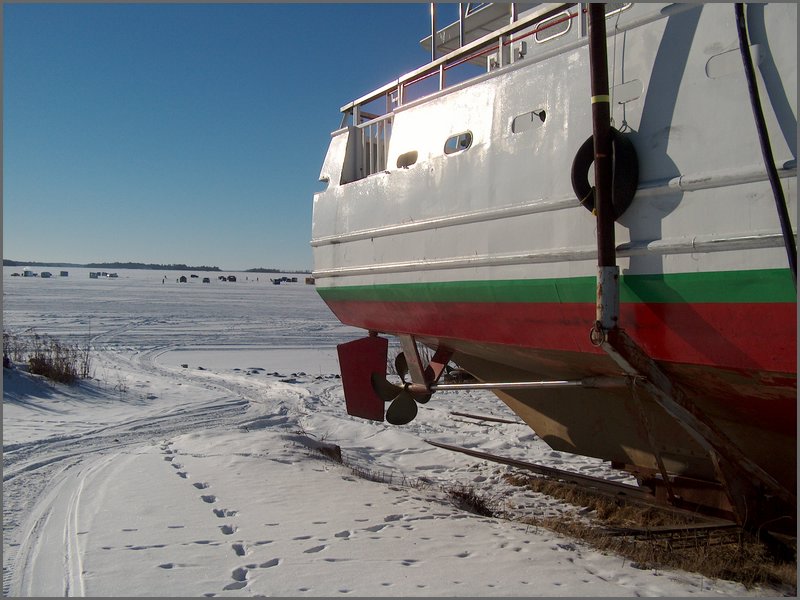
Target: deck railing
column 394, row 92
column 374, row 131
column 373, row 143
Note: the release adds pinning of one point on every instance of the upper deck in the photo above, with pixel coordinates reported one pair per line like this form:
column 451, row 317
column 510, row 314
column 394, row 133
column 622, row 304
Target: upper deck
column 486, row 38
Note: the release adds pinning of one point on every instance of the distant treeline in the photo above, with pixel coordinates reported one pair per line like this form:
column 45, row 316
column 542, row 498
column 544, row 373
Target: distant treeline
column 135, row 265
column 263, row 270
column 110, row 265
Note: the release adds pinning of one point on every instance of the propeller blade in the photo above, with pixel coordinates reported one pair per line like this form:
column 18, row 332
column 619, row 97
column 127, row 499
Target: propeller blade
column 423, row 399
column 402, row 410
column 401, row 366
column 386, row 391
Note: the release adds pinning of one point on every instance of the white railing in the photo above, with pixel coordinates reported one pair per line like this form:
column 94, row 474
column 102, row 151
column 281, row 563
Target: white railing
column 394, row 92
column 373, row 131
column 373, row 144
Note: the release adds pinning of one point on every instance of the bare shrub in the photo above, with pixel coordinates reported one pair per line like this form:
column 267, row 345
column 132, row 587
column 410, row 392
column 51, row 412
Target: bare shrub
column 466, row 498
column 53, row 360
column 47, row 356
column 15, row 346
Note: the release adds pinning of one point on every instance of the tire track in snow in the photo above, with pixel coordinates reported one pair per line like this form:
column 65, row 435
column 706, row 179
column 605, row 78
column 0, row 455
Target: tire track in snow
column 38, row 474
column 49, row 561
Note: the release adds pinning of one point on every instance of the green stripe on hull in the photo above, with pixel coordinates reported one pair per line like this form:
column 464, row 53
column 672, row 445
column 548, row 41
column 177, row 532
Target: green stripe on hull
column 761, row 286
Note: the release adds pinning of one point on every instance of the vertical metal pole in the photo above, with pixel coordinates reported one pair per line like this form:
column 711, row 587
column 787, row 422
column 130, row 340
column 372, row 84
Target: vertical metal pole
column 513, row 12
column 433, row 31
column 370, row 148
column 500, row 61
column 461, row 11
column 381, row 140
column 607, row 269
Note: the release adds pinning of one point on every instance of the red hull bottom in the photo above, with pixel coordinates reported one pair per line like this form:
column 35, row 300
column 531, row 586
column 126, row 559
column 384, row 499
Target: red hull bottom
column 751, row 402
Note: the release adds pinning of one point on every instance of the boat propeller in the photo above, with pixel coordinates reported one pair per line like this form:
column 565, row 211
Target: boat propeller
column 404, row 398
column 403, row 407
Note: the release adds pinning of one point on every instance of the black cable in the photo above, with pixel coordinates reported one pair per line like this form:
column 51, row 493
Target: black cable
column 766, row 149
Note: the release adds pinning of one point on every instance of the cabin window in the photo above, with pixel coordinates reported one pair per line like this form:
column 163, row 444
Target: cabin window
column 528, row 120
column 458, row 142
column 406, row 159
column 614, row 8
column 553, row 27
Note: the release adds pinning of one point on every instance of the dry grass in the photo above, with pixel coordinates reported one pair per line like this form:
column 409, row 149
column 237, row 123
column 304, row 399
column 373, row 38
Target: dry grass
column 44, row 355
column 466, row 498
column 732, row 555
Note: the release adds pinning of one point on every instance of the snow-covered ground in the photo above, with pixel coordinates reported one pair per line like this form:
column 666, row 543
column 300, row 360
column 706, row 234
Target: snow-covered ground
column 184, row 467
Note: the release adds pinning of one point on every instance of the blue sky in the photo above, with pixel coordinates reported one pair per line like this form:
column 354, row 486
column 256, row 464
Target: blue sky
column 182, row 133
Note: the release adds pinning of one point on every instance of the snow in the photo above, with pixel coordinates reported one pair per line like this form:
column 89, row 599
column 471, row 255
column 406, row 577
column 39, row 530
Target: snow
column 186, row 466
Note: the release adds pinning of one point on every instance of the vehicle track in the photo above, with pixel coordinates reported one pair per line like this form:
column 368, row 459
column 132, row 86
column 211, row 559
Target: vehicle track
column 38, row 474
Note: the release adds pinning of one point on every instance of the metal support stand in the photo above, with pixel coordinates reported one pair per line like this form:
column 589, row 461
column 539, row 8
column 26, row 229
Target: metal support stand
column 738, row 473
column 741, row 478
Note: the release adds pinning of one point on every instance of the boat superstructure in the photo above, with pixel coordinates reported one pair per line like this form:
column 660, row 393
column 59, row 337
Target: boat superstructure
column 460, row 215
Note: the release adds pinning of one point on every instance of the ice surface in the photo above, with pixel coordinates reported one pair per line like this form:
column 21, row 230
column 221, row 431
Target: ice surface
column 184, row 466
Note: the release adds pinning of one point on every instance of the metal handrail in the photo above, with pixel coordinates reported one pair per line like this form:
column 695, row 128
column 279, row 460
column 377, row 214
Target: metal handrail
column 440, row 64
column 373, row 140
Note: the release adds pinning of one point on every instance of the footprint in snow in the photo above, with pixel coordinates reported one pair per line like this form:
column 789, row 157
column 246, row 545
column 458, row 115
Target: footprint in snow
column 172, row 565
column 391, row 518
column 182, row 474
column 315, row 549
column 270, row 563
column 238, row 549
column 241, row 574
column 236, row 585
column 200, row 485
column 228, row 529
column 224, row 512
column 210, row 498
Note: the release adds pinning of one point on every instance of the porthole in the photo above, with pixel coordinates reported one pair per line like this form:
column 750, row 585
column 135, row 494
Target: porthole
column 458, row 142
column 528, row 120
column 406, row 159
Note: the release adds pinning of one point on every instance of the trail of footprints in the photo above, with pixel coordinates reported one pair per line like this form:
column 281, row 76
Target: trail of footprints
column 239, row 575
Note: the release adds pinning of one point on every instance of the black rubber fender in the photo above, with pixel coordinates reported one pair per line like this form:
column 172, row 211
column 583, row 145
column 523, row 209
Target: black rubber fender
column 625, row 173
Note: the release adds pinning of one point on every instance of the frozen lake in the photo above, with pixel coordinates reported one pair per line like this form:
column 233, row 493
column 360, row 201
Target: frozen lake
column 143, row 306
column 185, row 466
